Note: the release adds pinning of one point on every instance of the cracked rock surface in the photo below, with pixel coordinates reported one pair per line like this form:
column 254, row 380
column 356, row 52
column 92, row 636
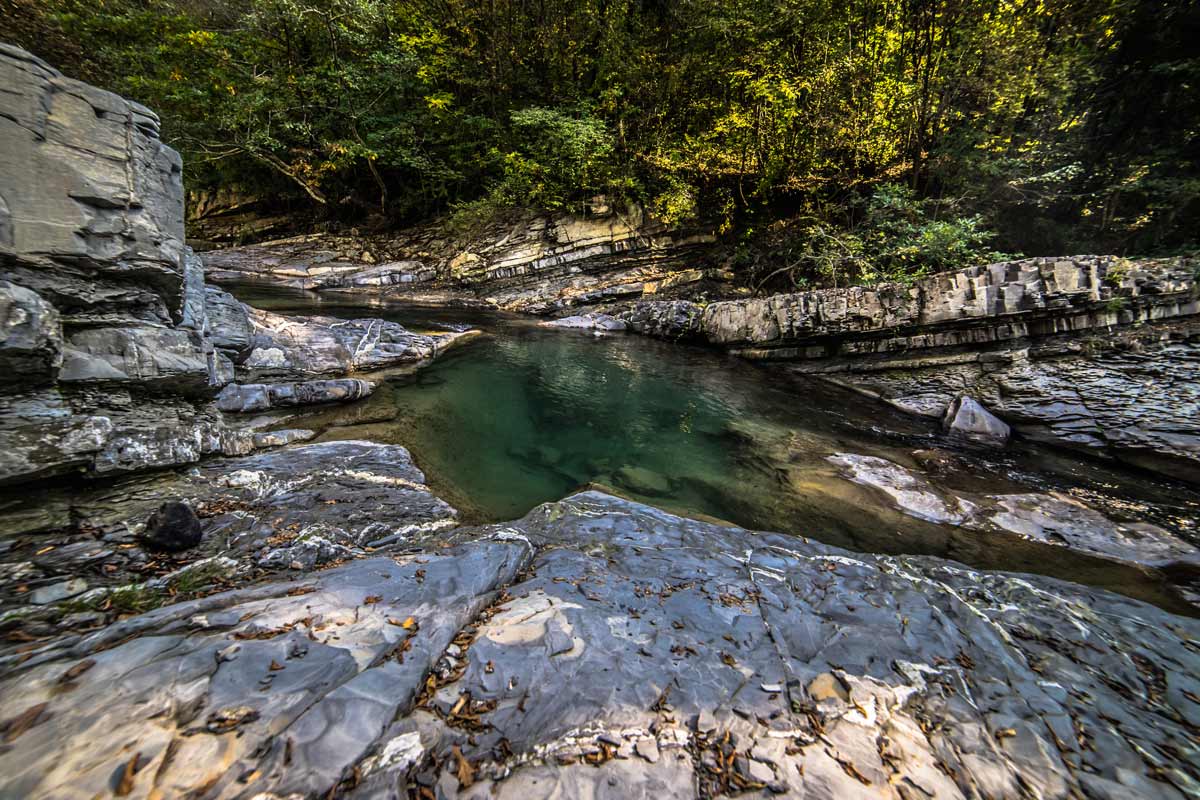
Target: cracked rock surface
column 600, row 647
column 283, row 510
column 1053, row 518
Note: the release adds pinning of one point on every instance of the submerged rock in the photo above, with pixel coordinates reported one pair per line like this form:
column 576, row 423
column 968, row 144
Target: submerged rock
column 172, row 528
column 643, row 481
column 909, row 491
column 1049, row 518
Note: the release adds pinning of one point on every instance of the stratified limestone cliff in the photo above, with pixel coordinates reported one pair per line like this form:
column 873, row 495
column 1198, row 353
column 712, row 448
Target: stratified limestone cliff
column 111, row 345
column 536, row 263
column 1094, row 353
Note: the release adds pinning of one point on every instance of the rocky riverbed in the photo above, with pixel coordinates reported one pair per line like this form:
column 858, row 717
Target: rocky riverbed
column 195, row 603
column 600, row 647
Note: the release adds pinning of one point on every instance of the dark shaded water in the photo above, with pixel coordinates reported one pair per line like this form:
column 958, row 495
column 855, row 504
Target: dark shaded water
column 524, row 415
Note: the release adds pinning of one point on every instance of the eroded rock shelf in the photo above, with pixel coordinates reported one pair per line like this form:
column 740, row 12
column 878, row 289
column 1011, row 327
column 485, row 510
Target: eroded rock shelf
column 193, row 603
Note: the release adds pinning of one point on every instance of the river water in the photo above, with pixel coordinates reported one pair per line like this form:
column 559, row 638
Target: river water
column 523, row 415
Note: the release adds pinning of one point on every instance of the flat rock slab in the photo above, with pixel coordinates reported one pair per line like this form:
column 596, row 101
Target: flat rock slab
column 284, row 686
column 241, row 398
column 289, row 509
column 301, row 347
column 1053, row 519
column 646, row 655
column 603, row 648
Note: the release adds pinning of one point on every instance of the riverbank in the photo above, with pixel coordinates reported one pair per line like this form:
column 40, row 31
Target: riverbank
column 182, row 615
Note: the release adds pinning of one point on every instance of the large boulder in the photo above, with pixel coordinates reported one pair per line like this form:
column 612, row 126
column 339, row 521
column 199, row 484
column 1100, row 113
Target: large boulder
column 284, row 347
column 85, row 180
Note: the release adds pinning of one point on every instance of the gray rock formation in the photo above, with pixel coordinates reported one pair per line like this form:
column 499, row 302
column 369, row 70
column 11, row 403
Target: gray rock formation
column 291, row 509
column 240, row 398
column 539, row 263
column 1053, row 519
column 602, row 648
column 590, row 322
column 966, row 417
column 112, row 347
column 1093, row 353
column 297, row 347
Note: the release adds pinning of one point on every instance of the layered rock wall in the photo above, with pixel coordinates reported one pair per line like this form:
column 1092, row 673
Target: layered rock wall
column 538, row 263
column 1092, row 352
column 112, row 347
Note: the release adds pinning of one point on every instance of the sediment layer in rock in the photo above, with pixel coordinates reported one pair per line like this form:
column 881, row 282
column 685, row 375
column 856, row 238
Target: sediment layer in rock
column 538, row 263
column 1093, row 353
column 112, row 347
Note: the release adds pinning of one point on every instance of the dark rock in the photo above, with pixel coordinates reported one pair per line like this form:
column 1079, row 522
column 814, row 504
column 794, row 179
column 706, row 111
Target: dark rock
column 242, row 398
column 174, row 527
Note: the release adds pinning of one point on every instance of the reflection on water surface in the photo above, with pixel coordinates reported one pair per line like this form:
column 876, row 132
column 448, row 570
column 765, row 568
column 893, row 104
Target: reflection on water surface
column 525, row 415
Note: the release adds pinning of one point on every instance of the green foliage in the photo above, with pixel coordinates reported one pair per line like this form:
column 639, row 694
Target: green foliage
column 559, row 156
column 895, row 237
column 1061, row 126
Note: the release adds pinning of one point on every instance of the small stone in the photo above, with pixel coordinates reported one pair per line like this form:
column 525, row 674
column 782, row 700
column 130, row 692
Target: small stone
column 705, row 721
column 83, row 619
column 57, row 592
column 643, row 481
column 826, row 686
column 647, row 749
column 173, row 527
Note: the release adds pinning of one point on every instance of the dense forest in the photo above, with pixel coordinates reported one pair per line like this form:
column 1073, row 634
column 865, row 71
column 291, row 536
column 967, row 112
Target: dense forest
column 825, row 140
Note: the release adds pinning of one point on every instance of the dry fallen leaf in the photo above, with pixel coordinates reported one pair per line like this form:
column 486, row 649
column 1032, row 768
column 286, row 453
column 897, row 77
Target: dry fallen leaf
column 77, row 670
column 466, row 773
column 371, row 600
column 127, row 776
column 23, row 722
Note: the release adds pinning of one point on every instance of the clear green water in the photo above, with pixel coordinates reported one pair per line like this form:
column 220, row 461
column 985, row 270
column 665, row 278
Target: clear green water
column 524, row 415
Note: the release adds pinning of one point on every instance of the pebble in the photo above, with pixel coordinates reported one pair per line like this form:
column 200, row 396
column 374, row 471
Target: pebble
column 57, row 592
column 647, row 749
